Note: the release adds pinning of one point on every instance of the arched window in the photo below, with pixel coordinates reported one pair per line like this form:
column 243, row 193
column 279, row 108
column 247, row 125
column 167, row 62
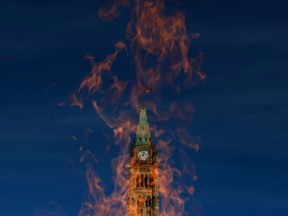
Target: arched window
column 140, row 201
column 137, row 181
column 148, row 212
column 153, row 200
column 146, row 181
column 140, row 212
column 132, row 200
column 151, row 181
column 142, row 180
column 148, row 201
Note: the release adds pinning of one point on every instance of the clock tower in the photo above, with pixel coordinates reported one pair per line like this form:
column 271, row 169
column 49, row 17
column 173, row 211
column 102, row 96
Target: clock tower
column 143, row 197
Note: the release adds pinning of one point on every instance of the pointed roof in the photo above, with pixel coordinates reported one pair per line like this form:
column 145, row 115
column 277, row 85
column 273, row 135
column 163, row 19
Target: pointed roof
column 143, row 132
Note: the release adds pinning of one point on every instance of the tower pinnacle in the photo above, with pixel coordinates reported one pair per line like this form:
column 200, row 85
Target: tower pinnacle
column 143, row 132
column 143, row 195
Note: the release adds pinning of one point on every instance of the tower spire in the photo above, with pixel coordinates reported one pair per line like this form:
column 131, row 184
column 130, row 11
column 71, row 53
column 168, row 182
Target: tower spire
column 143, row 196
column 143, row 132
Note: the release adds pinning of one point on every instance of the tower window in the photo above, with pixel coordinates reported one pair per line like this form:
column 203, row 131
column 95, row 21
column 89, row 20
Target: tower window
column 142, row 180
column 148, row 212
column 148, row 201
column 151, row 181
column 140, row 201
column 137, row 181
column 140, row 212
column 146, row 181
column 132, row 200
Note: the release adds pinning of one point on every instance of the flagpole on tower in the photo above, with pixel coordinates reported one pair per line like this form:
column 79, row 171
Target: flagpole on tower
column 147, row 90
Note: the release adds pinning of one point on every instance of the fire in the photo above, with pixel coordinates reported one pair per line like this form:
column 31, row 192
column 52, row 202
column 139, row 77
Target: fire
column 159, row 45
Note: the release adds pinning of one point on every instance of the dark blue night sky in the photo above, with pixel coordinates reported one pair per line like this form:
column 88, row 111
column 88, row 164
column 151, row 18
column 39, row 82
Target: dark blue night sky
column 241, row 108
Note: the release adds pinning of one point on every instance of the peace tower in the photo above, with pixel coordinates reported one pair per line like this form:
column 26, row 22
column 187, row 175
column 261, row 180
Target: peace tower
column 143, row 197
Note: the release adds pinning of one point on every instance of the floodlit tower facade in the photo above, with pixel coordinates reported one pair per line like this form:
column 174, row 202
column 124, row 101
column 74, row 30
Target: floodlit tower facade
column 143, row 196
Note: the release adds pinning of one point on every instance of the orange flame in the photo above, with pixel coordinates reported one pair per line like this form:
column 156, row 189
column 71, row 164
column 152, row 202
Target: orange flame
column 159, row 46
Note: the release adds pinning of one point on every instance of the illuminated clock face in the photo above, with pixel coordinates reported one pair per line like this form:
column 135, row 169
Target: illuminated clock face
column 143, row 155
